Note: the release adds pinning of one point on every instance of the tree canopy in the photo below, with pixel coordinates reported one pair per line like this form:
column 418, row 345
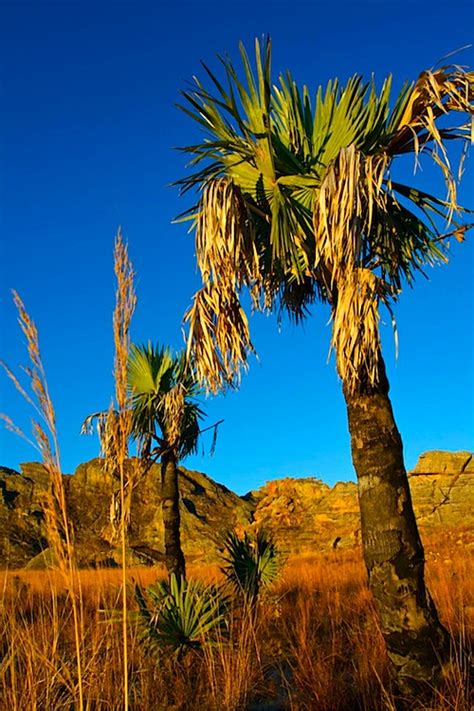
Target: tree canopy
column 297, row 203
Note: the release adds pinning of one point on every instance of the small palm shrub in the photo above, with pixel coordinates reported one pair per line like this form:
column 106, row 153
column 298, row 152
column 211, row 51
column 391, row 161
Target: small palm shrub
column 251, row 563
column 183, row 615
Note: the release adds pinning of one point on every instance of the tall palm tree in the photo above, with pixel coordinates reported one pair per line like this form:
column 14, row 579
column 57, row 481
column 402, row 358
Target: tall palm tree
column 297, row 204
column 165, row 417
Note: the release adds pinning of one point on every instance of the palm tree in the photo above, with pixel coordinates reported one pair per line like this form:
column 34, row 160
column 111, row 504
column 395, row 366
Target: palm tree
column 165, row 417
column 164, row 420
column 297, row 204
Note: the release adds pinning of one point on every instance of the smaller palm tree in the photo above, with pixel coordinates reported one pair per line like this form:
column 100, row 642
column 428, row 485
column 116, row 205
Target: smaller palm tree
column 165, row 419
column 165, row 415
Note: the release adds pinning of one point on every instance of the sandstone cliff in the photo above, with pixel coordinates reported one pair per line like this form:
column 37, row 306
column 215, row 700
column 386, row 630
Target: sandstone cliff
column 303, row 515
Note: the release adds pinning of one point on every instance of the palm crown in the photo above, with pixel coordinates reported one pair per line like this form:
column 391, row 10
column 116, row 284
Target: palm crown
column 162, row 397
column 297, row 204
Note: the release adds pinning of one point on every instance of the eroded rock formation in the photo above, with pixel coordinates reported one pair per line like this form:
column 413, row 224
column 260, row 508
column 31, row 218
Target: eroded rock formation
column 303, row 515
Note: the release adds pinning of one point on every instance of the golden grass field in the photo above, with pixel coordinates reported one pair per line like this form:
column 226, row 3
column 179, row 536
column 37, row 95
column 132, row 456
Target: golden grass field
column 313, row 643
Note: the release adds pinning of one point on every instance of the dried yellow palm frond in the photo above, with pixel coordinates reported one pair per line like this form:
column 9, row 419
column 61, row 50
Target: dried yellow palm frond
column 343, row 213
column 343, row 210
column 173, row 403
column 228, row 259
column 434, row 94
column 225, row 236
column 355, row 332
column 447, row 88
column 219, row 336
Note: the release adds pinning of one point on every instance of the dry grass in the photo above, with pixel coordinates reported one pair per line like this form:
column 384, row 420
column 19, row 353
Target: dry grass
column 58, row 527
column 314, row 643
column 59, row 531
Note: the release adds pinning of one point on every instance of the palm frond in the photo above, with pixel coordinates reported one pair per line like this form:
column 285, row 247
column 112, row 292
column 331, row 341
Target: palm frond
column 184, row 615
column 251, row 563
column 162, row 393
column 296, row 203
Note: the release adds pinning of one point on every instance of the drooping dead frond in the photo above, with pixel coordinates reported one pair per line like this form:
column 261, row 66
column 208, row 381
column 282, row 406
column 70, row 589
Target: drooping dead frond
column 436, row 93
column 343, row 213
column 173, row 403
column 355, row 332
column 106, row 425
column 343, row 210
column 228, row 259
column 225, row 236
column 219, row 336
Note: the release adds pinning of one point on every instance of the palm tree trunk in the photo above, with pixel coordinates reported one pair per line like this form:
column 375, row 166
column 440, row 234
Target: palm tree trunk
column 417, row 643
column 174, row 557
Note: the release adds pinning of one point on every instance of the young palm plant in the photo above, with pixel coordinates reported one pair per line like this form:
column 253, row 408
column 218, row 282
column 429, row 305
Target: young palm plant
column 184, row 615
column 250, row 564
column 297, row 204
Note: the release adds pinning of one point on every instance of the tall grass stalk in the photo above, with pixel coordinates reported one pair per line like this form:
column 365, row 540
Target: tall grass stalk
column 59, row 530
column 125, row 302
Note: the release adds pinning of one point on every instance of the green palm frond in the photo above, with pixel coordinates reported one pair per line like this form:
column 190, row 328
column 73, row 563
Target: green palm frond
column 150, row 368
column 250, row 563
column 154, row 374
column 184, row 615
column 296, row 198
column 158, row 379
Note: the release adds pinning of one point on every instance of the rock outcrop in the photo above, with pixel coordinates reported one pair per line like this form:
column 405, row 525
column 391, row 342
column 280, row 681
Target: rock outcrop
column 445, row 463
column 442, row 484
column 303, row 515
column 208, row 510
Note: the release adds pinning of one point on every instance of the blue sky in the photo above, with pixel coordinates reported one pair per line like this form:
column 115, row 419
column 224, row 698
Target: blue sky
column 88, row 131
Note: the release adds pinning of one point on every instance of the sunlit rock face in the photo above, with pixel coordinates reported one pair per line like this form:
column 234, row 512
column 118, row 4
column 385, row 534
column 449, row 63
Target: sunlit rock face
column 303, row 515
column 208, row 510
column 445, row 463
column 442, row 485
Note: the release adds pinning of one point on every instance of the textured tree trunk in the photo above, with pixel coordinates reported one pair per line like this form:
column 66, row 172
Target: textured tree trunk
column 174, row 557
column 417, row 643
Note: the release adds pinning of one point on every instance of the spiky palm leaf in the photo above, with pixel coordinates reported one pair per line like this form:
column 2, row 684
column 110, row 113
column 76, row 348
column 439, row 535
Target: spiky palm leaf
column 183, row 616
column 163, row 393
column 297, row 204
column 162, row 401
column 250, row 563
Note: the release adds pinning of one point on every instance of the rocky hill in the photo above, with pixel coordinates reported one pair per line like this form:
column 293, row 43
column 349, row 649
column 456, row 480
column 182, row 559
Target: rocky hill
column 303, row 515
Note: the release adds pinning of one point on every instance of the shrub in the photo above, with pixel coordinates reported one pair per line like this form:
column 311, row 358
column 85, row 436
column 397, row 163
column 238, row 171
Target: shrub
column 251, row 563
column 184, row 614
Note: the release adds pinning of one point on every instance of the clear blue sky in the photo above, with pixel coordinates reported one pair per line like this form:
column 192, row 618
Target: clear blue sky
column 88, row 128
